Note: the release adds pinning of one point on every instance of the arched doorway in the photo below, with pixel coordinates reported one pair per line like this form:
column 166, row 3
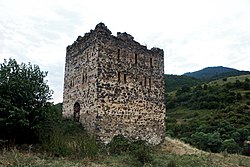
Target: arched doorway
column 77, row 112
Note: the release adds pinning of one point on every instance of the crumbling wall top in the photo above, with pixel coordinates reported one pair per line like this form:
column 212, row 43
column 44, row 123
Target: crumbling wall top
column 101, row 28
column 125, row 36
column 101, row 31
column 157, row 51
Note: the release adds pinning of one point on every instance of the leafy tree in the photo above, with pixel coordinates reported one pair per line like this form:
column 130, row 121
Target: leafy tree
column 224, row 79
column 237, row 84
column 24, row 96
column 246, row 85
column 231, row 146
column 205, row 87
column 207, row 141
column 236, row 136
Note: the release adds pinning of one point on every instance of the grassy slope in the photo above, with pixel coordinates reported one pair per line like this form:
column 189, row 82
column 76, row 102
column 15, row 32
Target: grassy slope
column 241, row 78
column 183, row 114
column 230, row 79
column 171, row 151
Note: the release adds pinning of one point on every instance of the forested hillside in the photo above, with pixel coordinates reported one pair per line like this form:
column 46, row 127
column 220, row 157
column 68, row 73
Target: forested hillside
column 211, row 116
column 174, row 82
column 213, row 73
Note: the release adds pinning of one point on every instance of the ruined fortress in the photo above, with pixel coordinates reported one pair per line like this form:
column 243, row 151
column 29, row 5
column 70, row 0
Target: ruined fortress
column 113, row 85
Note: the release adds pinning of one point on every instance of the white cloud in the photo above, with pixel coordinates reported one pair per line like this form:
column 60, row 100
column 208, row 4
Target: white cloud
column 194, row 34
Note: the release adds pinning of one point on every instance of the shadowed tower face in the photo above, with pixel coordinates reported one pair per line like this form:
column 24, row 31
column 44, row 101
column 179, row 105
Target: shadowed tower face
column 113, row 85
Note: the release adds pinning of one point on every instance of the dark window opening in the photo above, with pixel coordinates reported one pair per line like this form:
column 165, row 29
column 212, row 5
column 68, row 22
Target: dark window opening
column 77, row 112
column 119, row 76
column 125, row 78
column 145, row 82
column 149, row 82
column 151, row 62
column 118, row 54
column 135, row 58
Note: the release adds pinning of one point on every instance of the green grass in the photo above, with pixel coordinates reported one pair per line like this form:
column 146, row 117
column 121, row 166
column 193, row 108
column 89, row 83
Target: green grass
column 183, row 114
column 160, row 158
column 16, row 158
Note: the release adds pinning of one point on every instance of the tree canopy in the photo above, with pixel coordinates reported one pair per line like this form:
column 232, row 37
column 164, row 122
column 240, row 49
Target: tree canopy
column 24, row 96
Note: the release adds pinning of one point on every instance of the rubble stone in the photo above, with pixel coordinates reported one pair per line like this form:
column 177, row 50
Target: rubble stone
column 113, row 85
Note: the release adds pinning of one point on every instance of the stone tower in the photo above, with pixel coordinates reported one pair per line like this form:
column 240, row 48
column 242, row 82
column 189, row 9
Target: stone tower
column 113, row 85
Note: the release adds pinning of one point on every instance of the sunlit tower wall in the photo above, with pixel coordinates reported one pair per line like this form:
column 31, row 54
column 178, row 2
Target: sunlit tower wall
column 113, row 85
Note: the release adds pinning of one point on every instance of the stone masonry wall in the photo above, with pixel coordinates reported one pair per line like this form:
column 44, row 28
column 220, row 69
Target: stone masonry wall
column 130, row 90
column 124, row 88
column 80, row 82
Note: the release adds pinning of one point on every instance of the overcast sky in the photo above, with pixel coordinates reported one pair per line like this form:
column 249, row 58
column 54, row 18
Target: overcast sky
column 193, row 33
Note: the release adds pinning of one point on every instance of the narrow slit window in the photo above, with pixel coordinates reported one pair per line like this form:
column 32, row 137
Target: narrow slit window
column 119, row 76
column 145, row 82
column 136, row 59
column 151, row 62
column 118, row 54
column 149, row 82
column 77, row 109
column 125, row 78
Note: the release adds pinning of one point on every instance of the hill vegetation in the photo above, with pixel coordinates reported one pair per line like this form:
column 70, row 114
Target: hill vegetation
column 213, row 116
column 213, row 73
column 34, row 133
column 175, row 82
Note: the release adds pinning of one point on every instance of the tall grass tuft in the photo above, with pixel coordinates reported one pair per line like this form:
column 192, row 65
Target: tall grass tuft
column 65, row 137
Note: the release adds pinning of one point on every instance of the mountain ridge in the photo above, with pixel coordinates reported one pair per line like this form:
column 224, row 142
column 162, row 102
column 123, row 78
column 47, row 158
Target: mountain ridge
column 216, row 72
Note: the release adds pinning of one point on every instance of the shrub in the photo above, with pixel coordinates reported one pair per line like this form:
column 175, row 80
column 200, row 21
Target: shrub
column 231, row 146
column 171, row 164
column 119, row 145
column 138, row 150
column 65, row 137
column 170, row 133
column 141, row 152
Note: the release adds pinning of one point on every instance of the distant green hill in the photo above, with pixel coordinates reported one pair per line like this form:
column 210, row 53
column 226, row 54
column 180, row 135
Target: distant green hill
column 213, row 73
column 213, row 116
column 175, row 82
